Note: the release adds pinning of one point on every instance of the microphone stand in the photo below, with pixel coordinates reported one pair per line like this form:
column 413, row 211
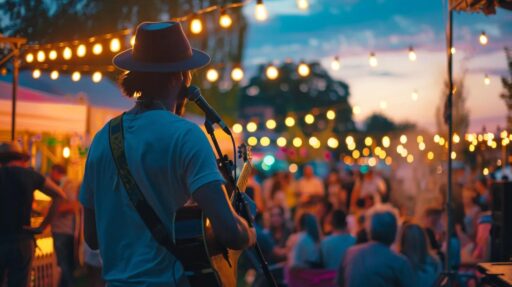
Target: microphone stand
column 226, row 166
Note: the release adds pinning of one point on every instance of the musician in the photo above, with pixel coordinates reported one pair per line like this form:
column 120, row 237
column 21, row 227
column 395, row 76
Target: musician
column 169, row 157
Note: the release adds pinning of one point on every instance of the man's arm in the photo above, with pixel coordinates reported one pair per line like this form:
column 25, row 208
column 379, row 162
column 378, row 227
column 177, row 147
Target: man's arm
column 90, row 234
column 231, row 229
column 55, row 192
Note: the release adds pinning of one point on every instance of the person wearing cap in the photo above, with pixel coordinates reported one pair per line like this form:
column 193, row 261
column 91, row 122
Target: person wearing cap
column 18, row 183
column 169, row 157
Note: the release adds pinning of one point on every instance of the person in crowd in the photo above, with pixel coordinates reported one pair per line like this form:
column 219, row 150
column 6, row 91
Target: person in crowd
column 323, row 211
column 373, row 187
column 433, row 228
column 278, row 196
column 471, row 212
column 267, row 186
column 303, row 246
column 374, row 263
column 64, row 225
column 334, row 246
column 253, row 189
column 361, row 233
column 484, row 194
column 309, row 187
column 278, row 226
column 348, row 182
column 413, row 245
column 336, row 195
column 17, row 185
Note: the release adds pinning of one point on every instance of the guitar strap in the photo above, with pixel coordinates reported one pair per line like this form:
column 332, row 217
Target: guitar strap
column 146, row 212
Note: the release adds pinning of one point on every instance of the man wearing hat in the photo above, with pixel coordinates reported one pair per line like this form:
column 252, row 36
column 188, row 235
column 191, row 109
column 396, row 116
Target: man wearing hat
column 169, row 158
column 17, row 185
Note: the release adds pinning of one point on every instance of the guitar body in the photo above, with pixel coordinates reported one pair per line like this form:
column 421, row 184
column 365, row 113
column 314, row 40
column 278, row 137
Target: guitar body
column 206, row 263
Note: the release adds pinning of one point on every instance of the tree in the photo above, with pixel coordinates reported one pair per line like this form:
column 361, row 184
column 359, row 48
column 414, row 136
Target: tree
column 379, row 124
column 460, row 115
column 507, row 86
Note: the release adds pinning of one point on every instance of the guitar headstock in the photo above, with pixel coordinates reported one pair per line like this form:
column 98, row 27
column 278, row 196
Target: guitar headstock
column 244, row 152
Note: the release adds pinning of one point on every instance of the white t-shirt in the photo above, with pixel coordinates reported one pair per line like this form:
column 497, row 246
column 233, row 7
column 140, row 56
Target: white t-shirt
column 170, row 158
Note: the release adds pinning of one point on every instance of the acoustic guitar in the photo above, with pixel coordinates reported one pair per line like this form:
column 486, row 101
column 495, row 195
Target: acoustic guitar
column 205, row 261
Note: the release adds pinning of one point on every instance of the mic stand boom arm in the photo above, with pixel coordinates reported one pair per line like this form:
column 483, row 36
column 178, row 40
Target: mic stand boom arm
column 225, row 165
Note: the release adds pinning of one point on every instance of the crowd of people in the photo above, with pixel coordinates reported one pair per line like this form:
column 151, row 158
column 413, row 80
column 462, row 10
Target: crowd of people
column 347, row 230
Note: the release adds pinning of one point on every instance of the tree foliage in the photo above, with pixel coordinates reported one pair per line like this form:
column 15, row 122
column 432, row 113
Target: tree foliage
column 507, row 88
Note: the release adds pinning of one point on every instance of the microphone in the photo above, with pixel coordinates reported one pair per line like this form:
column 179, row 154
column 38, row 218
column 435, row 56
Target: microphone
column 194, row 94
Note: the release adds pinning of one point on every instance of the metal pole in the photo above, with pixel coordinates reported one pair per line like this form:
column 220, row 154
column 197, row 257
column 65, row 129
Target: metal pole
column 449, row 111
column 15, row 73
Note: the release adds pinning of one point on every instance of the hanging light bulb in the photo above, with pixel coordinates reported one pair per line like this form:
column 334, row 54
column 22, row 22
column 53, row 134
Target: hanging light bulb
column 196, row 25
column 66, row 152
column 309, row 119
column 36, row 74
column 261, row 13
column 272, row 72
column 212, row 75
column 271, row 124
column 41, row 56
column 330, row 114
column 237, row 74
column 373, row 60
column 335, row 64
column 303, row 4
column 115, row 45
column 333, row 142
column 483, row 39
column 356, row 110
column 67, row 53
column 281, row 141
column 132, row 41
column 225, row 20
column 237, row 128
column 412, row 54
column 54, row 75
column 414, row 95
column 75, row 77
column 80, row 51
column 251, row 127
column 487, row 80
column 29, row 58
column 303, row 69
column 289, row 121
column 52, row 55
column 383, row 105
column 96, row 77
column 297, row 142
column 453, row 50
column 97, row 49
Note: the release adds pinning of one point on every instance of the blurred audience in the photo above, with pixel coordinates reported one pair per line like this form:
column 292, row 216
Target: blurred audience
column 310, row 187
column 303, row 246
column 334, row 246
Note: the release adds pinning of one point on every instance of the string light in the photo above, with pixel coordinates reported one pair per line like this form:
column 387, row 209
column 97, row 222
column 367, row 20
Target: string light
column 76, row 76
column 293, row 168
column 67, row 53
column 237, row 74
column 97, row 49
column 410, row 158
column 487, row 80
column 453, row 50
column 383, row 105
column 314, row 142
column 332, row 142
column 412, row 54
column 289, row 121
column 456, row 138
column 251, row 127
column 454, row 155
column 66, row 152
column 252, row 141
column 485, row 171
column 96, row 77
column 36, row 74
column 414, row 95
column 421, row 146
column 80, row 51
column 373, row 60
column 260, row 13
column 54, row 75
column 212, row 75
column 271, row 124
column 388, row 160
column 237, row 128
column 281, row 141
column 349, row 140
column 132, row 41
column 386, row 141
column 309, row 119
column 52, row 55
column 303, row 4
column 335, row 64
column 403, row 139
column 356, row 110
column 368, row 141
column 272, row 72
column 303, row 70
column 331, row 115
column 225, row 20
column 196, row 26
column 265, row 141
column 41, row 56
column 483, row 39
column 297, row 142
column 29, row 58
column 356, row 154
column 115, row 45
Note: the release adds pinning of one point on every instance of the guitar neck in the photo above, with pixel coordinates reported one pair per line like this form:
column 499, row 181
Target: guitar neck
column 244, row 176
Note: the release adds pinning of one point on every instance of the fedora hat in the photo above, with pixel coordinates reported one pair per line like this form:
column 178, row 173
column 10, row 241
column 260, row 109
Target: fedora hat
column 160, row 47
column 12, row 151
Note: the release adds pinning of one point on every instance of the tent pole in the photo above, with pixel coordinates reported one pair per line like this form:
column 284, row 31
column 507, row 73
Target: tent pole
column 15, row 75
